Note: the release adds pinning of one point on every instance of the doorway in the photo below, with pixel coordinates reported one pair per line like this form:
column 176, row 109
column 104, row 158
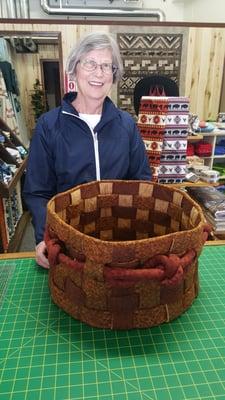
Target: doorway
column 51, row 80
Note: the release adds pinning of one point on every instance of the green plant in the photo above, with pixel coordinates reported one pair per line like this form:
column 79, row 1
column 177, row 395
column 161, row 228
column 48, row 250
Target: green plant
column 38, row 100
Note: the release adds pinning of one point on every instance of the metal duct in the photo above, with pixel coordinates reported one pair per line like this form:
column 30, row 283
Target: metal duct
column 14, row 9
column 103, row 11
column 25, row 9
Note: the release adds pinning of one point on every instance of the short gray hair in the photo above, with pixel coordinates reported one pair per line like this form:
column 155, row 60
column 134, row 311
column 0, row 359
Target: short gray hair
column 95, row 41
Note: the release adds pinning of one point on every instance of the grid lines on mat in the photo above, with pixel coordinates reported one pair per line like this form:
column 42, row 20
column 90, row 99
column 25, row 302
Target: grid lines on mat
column 46, row 354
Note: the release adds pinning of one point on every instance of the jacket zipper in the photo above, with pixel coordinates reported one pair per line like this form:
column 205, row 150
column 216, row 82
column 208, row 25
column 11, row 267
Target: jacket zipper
column 95, row 140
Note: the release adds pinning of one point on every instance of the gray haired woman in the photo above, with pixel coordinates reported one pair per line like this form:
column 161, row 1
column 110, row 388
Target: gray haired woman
column 87, row 138
column 96, row 41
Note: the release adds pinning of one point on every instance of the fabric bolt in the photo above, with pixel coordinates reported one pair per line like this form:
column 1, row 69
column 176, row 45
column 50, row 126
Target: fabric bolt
column 220, row 147
column 203, row 149
column 219, row 150
column 163, row 124
column 173, row 157
column 151, row 123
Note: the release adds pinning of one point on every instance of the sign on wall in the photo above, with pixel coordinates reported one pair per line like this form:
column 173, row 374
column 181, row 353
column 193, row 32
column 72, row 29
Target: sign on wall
column 69, row 84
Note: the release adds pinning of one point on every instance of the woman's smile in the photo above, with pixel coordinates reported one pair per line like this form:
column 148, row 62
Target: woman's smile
column 97, row 80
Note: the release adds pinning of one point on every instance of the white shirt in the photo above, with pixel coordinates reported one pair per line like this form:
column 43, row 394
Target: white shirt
column 91, row 119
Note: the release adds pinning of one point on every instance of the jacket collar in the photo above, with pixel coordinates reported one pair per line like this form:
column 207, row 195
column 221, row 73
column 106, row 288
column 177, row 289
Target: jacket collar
column 109, row 110
column 67, row 103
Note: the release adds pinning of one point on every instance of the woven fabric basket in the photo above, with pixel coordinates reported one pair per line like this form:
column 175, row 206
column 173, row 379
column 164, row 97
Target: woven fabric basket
column 124, row 254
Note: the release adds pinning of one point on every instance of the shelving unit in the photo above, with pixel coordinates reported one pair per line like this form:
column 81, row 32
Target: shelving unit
column 213, row 138
column 194, row 138
column 12, row 217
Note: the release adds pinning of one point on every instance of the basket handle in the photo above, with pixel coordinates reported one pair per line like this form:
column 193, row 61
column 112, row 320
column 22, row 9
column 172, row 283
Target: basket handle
column 168, row 270
column 56, row 255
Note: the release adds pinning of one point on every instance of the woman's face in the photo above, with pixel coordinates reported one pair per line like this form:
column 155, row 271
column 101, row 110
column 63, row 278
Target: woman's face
column 96, row 84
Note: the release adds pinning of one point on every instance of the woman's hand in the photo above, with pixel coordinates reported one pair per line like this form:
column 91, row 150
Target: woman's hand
column 41, row 255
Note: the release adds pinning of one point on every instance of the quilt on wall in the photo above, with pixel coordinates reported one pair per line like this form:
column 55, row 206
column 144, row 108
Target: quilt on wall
column 145, row 54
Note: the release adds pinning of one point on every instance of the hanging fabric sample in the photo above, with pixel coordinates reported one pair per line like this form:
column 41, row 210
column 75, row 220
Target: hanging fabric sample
column 7, row 112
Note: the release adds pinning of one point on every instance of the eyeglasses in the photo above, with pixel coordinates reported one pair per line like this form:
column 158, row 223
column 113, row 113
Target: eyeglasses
column 91, row 65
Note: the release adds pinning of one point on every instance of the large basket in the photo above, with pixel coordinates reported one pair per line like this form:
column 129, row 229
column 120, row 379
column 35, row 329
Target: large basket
column 124, row 254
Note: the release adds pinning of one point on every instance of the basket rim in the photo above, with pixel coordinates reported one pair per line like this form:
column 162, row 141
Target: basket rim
column 122, row 243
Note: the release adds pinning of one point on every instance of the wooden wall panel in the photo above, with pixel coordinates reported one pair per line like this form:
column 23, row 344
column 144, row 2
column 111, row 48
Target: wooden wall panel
column 204, row 67
column 204, row 74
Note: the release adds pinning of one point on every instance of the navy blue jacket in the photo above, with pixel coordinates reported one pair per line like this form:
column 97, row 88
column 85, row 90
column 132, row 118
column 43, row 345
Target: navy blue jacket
column 62, row 154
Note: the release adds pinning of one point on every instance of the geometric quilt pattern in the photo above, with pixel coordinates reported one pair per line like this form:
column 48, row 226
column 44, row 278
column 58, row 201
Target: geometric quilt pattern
column 143, row 55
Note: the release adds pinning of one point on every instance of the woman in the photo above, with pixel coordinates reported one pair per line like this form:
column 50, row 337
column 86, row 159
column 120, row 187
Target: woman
column 87, row 138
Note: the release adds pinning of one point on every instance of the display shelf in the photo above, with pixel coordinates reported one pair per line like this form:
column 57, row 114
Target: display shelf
column 6, row 190
column 212, row 138
column 189, row 184
column 11, row 141
column 194, row 138
column 219, row 156
column 18, row 235
column 12, row 218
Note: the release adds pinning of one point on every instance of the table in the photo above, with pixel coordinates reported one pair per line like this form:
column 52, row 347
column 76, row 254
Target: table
column 47, row 355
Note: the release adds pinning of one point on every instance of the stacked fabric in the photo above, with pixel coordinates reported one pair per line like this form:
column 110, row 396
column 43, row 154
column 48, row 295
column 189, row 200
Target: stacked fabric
column 220, row 148
column 163, row 124
column 213, row 203
column 220, row 167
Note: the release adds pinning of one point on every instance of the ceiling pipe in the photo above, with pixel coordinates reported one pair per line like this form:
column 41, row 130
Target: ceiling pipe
column 14, row 9
column 98, row 12
column 10, row 9
column 25, row 9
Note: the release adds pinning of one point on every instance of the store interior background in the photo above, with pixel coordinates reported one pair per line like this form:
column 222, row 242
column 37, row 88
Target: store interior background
column 201, row 74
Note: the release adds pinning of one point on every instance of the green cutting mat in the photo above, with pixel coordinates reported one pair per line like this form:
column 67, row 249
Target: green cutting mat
column 46, row 355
